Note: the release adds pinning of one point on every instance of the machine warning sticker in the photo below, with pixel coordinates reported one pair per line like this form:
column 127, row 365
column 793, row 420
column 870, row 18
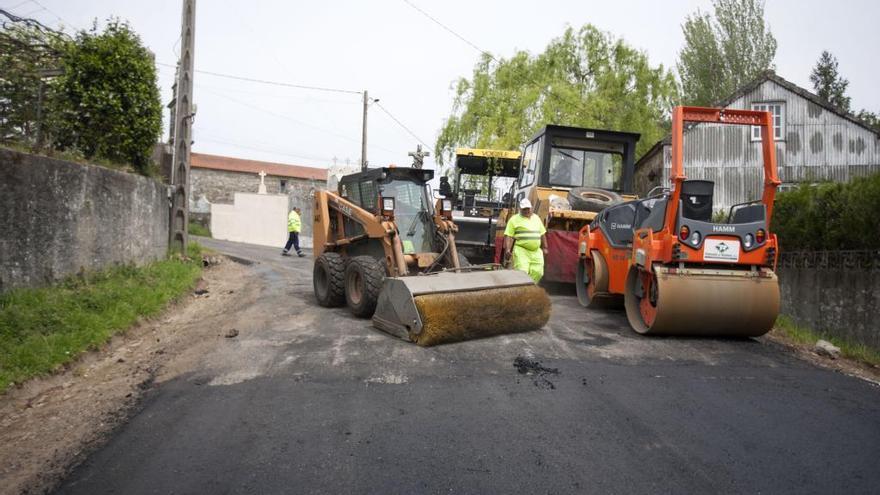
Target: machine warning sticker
column 721, row 250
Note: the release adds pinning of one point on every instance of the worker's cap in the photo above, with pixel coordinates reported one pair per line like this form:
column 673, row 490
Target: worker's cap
column 524, row 203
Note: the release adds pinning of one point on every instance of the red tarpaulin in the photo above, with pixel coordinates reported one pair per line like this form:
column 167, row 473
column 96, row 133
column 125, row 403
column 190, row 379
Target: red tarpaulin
column 560, row 265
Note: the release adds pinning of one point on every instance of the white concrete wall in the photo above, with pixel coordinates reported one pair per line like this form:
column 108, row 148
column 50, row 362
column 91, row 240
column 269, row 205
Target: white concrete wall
column 254, row 219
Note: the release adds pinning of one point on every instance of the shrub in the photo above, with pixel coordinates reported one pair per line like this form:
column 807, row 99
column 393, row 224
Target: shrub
column 829, row 216
column 109, row 106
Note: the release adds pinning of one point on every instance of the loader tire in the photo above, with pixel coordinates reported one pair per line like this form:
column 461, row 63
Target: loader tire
column 363, row 282
column 592, row 199
column 328, row 279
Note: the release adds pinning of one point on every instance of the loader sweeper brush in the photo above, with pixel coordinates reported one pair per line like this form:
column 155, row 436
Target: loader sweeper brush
column 451, row 307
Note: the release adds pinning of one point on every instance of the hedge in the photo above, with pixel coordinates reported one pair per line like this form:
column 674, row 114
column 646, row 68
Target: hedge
column 829, row 216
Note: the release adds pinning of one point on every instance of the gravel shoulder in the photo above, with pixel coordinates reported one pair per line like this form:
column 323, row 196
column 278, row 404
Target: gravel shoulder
column 807, row 353
column 52, row 423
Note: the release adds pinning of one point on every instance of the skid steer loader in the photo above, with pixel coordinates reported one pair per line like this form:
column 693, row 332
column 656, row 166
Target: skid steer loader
column 384, row 250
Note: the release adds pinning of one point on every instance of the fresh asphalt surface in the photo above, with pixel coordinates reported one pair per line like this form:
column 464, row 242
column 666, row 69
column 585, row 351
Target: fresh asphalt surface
column 311, row 400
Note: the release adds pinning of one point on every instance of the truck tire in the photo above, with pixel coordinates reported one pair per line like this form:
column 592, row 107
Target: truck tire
column 328, row 279
column 592, row 199
column 363, row 282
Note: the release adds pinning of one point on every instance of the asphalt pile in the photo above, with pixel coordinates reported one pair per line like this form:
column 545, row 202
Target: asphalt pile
column 539, row 373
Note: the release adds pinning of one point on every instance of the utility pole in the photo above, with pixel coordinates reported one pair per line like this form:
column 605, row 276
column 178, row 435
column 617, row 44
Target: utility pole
column 364, row 135
column 182, row 132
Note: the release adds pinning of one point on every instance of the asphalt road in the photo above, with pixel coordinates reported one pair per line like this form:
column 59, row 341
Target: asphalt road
column 309, row 400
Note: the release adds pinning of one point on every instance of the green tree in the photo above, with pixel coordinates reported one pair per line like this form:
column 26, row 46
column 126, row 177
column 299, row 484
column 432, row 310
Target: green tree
column 870, row 118
column 584, row 78
column 110, row 106
column 724, row 52
column 828, row 83
column 27, row 52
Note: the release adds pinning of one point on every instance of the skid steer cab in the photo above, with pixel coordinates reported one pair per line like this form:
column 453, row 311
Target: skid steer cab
column 385, row 251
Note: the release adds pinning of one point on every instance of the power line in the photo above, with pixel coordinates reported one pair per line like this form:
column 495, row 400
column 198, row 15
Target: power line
column 302, row 86
column 217, row 139
column 285, row 117
column 278, row 115
column 221, row 140
column 550, row 91
column 53, row 13
column 273, row 83
column 447, row 28
column 411, row 133
column 17, row 5
column 33, row 23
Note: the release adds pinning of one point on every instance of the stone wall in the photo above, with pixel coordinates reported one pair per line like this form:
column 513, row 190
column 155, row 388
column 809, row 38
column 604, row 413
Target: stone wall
column 58, row 218
column 837, row 293
column 219, row 186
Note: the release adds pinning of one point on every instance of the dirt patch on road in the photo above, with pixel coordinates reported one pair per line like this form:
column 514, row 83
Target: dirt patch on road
column 50, row 424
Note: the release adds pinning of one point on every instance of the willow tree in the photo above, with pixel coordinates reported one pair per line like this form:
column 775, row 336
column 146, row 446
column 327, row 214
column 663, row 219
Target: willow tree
column 585, row 78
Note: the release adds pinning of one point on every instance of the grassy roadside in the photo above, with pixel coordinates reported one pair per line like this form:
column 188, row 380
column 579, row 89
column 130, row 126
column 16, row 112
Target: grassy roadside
column 805, row 336
column 197, row 229
column 43, row 328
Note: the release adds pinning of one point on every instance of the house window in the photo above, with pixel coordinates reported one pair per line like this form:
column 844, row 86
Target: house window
column 778, row 120
column 283, row 185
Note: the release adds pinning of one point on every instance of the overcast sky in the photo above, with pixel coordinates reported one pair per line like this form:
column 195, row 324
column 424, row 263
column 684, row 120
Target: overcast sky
column 410, row 63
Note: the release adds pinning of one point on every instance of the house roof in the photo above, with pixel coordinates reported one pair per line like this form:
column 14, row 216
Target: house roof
column 229, row 164
column 769, row 75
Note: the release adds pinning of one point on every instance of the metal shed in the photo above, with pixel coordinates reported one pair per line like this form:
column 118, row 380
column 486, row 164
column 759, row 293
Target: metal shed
column 814, row 142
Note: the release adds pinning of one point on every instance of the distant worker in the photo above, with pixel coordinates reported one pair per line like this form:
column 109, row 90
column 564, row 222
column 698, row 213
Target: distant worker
column 524, row 239
column 446, row 188
column 294, row 224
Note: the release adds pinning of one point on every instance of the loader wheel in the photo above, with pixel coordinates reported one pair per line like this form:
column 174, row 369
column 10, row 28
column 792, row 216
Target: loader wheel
column 363, row 282
column 328, row 279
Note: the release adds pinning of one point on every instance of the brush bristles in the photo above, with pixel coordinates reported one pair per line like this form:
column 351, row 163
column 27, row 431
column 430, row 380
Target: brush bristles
column 451, row 317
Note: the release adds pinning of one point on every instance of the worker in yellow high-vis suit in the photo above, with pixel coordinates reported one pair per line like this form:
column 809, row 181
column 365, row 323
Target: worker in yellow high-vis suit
column 294, row 224
column 524, row 238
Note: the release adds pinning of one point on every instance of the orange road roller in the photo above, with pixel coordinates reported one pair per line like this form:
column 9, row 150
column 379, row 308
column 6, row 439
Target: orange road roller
column 676, row 269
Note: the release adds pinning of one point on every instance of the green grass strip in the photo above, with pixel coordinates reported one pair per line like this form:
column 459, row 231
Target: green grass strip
column 43, row 328
column 807, row 336
column 198, row 229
